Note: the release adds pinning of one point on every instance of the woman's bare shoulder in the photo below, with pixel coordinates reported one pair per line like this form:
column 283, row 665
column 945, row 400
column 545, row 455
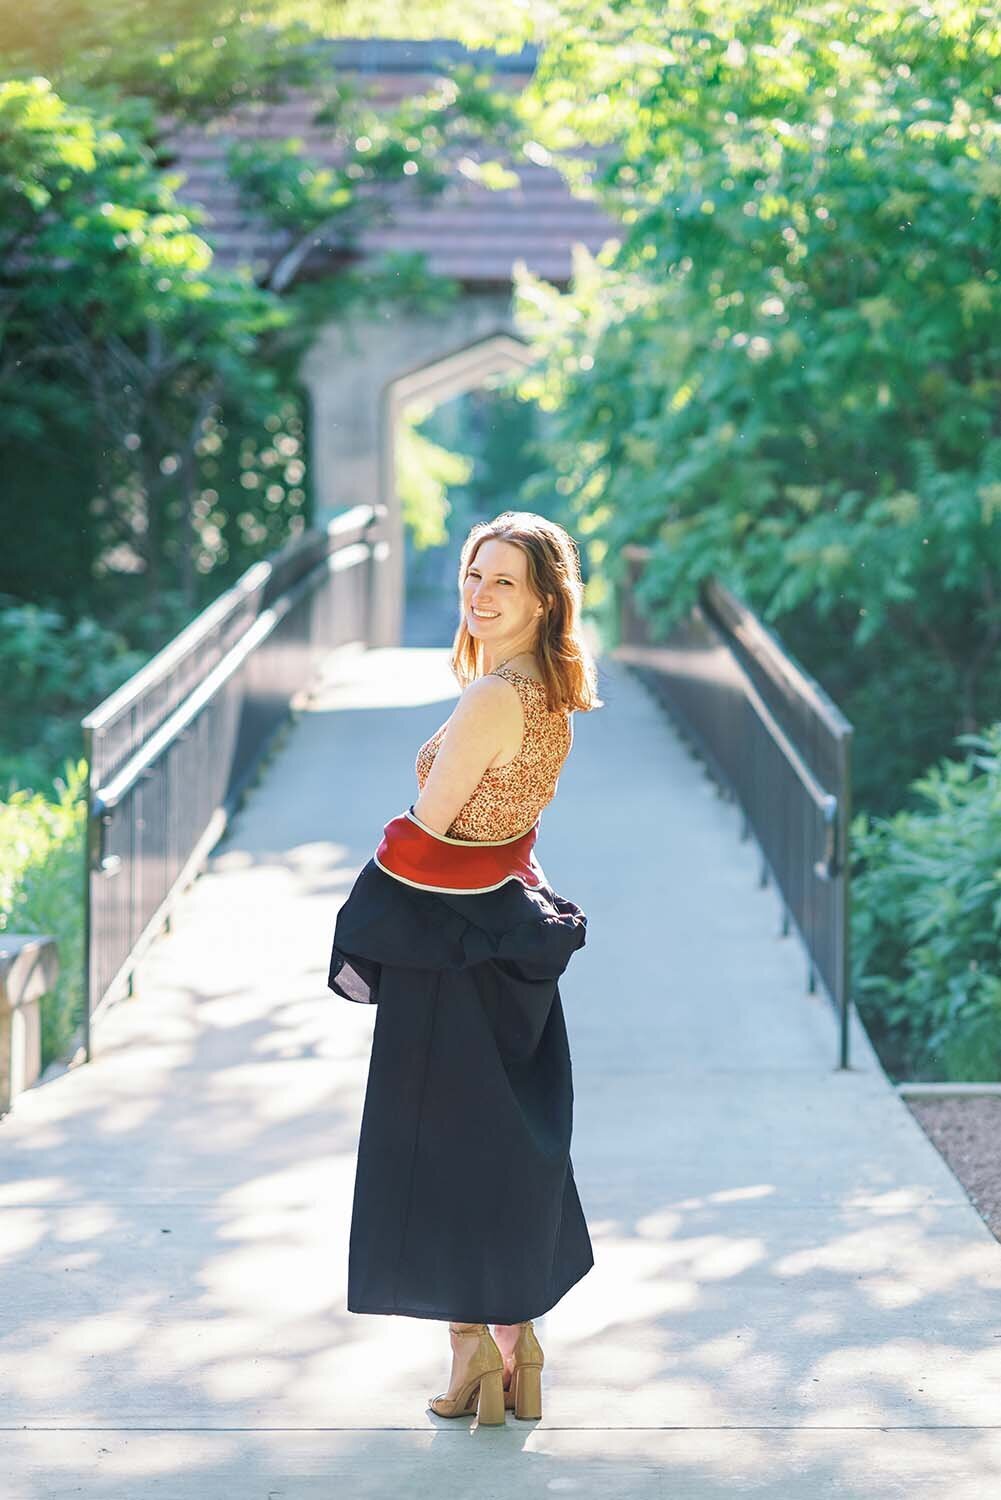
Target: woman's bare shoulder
column 488, row 698
column 490, row 688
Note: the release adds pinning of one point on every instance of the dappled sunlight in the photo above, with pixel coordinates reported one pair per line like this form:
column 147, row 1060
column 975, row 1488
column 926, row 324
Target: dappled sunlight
column 751, row 1193
column 902, row 1200
column 973, row 1464
column 666, row 1219
column 78, row 1222
column 734, row 1366
column 22, row 1231
column 61, row 1373
column 244, row 1379
column 919, row 1268
column 659, row 1226
column 701, row 1324
column 923, row 1380
column 817, row 1322
column 194, row 1345
column 16, row 1193
column 319, row 858
column 714, row 1257
column 127, row 1115
column 274, row 1091
column 162, row 1041
column 305, row 860
column 79, row 1260
column 101, row 1334
column 235, row 1008
column 297, row 1182
column 149, row 1053
column 388, row 677
column 43, row 1141
column 208, row 1157
column 626, row 1285
column 415, row 1350
column 291, row 1275
column 176, row 1220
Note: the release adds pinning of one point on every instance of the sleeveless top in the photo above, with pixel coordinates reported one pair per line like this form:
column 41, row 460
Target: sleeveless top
column 509, row 798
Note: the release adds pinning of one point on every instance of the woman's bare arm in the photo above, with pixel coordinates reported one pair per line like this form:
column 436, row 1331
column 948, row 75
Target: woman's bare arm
column 485, row 719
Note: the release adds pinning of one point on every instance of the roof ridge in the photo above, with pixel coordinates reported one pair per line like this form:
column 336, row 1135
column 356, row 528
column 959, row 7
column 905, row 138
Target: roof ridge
column 417, row 54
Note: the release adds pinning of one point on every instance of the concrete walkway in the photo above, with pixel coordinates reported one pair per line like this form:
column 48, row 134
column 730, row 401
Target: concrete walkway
column 792, row 1295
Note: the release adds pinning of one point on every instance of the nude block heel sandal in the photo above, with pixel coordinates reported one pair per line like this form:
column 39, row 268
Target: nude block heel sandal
column 483, row 1390
column 490, row 1404
column 524, row 1395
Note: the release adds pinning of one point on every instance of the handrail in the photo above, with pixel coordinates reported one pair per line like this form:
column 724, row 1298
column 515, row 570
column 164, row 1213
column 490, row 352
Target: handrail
column 774, row 742
column 106, row 799
column 756, row 638
column 170, row 752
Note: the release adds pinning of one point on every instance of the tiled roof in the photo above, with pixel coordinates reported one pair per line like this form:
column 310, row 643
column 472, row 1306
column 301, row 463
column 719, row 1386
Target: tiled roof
column 468, row 231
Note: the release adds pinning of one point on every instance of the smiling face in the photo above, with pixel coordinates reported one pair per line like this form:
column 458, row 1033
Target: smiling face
column 496, row 583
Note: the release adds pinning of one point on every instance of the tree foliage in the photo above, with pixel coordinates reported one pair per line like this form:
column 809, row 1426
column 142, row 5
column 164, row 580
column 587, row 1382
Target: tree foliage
column 138, row 380
column 190, row 58
column 425, row 472
column 787, row 368
column 118, row 335
column 41, row 853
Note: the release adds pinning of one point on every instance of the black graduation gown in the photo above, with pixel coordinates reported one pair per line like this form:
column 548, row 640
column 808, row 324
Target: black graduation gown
column 465, row 1205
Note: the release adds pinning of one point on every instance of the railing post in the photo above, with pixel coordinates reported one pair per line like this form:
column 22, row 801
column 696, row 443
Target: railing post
column 375, row 539
column 844, row 888
column 29, row 968
column 89, row 834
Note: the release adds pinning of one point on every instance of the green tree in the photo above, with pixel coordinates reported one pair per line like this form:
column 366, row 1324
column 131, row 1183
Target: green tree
column 117, row 333
column 140, row 384
column 787, row 369
column 189, row 58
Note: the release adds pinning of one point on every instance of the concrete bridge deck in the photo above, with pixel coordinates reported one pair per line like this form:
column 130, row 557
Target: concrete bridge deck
column 792, row 1295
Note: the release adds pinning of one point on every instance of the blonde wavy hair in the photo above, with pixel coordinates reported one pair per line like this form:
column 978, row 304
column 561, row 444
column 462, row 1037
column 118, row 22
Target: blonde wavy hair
column 568, row 671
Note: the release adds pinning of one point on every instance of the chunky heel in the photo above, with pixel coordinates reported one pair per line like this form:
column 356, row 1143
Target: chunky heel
column 490, row 1406
column 527, row 1360
column 527, row 1384
column 482, row 1389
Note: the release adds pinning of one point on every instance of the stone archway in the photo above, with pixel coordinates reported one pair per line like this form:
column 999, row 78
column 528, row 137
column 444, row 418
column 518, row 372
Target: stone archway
column 360, row 376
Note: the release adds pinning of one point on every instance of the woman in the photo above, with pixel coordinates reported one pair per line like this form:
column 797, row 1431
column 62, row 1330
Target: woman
column 465, row 1206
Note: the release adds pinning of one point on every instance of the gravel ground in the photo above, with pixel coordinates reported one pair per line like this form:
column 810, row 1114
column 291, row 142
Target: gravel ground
column 967, row 1133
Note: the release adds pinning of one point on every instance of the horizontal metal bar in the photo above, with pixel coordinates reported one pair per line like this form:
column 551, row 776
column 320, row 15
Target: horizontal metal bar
column 228, row 603
column 105, row 799
column 737, row 621
column 647, row 656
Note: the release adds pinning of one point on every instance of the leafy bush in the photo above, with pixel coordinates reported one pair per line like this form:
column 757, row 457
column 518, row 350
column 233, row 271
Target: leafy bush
column 47, row 661
column 51, row 672
column 41, row 875
column 886, row 758
column 927, row 921
column 153, row 395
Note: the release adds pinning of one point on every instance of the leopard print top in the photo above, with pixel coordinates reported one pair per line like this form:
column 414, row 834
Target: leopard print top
column 508, row 798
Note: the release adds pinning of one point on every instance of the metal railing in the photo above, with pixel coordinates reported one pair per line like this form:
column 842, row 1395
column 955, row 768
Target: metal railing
column 171, row 750
column 774, row 742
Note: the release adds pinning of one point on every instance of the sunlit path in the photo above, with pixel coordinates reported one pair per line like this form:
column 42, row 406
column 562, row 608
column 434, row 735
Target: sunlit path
column 792, row 1296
